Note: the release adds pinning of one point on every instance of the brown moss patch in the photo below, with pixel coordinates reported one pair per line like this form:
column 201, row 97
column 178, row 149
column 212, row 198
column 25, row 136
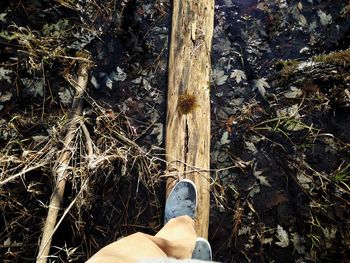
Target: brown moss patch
column 187, row 103
column 341, row 58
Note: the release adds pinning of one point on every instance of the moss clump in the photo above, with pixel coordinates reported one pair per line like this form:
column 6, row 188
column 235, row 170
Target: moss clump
column 287, row 67
column 187, row 103
column 340, row 58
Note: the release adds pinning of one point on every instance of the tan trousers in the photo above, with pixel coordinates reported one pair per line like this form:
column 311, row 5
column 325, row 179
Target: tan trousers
column 176, row 239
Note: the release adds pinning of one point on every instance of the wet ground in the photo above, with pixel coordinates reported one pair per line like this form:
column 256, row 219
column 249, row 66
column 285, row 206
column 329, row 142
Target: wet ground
column 280, row 122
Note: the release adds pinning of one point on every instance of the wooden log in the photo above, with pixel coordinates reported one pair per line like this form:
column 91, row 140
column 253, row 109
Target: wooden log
column 188, row 109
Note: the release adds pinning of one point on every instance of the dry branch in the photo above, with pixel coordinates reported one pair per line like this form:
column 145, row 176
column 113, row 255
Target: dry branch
column 60, row 171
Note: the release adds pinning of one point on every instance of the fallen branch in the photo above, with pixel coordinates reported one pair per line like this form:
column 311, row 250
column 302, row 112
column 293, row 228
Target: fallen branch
column 60, row 171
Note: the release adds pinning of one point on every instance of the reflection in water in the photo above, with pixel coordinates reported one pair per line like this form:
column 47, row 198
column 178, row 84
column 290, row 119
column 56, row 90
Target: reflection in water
column 244, row 3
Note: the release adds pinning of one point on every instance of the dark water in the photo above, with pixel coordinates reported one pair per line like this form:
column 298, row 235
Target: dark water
column 243, row 3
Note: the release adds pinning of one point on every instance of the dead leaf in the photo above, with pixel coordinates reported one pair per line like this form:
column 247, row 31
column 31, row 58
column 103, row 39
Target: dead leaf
column 229, row 122
column 277, row 199
column 250, row 205
column 110, row 114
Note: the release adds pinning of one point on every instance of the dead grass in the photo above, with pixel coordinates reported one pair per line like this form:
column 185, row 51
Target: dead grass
column 114, row 157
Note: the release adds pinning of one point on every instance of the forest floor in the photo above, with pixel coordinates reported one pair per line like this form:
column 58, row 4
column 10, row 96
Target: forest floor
column 280, row 143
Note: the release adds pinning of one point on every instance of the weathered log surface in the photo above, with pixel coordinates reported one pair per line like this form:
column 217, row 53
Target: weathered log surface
column 188, row 109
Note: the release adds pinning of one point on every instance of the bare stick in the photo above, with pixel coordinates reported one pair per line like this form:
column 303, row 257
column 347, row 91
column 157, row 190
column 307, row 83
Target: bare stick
column 60, row 171
column 88, row 142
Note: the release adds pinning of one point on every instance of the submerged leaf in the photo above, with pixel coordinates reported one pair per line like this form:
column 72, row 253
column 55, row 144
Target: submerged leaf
column 313, row 26
column 325, row 19
column 263, row 180
column 293, row 93
column 4, row 74
column 2, row 17
column 94, row 82
column 251, row 147
column 225, row 138
column 297, row 241
column 5, row 97
column 267, row 241
column 120, row 75
column 282, row 236
column 244, row 230
column 65, row 96
column 34, row 87
column 302, row 20
column 303, row 180
column 260, row 85
column 219, row 77
column 158, row 130
column 238, row 75
column 329, row 234
column 257, row 174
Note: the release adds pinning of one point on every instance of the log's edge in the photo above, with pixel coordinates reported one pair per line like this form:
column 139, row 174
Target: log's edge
column 188, row 109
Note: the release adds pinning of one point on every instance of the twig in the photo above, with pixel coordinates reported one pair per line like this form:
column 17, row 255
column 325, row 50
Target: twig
column 24, row 171
column 88, row 141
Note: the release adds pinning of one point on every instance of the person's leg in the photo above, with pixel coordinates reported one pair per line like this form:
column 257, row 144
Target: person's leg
column 180, row 237
column 128, row 249
column 176, row 239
